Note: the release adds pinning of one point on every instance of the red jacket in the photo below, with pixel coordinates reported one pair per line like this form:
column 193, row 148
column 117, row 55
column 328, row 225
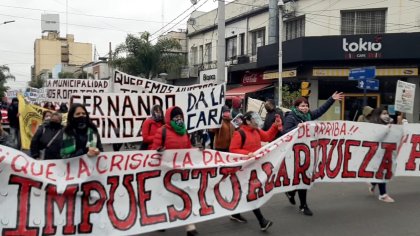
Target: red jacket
column 173, row 140
column 253, row 138
column 149, row 129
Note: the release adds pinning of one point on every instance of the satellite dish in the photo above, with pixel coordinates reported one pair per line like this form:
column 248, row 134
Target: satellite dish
column 193, row 2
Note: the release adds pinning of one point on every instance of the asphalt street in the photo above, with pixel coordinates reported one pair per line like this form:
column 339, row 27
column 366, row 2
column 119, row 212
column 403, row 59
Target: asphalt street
column 339, row 209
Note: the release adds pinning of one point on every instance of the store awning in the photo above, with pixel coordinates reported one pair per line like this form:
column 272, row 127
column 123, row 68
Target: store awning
column 242, row 90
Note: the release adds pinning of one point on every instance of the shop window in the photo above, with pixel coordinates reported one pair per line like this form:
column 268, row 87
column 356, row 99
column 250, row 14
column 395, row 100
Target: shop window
column 207, row 53
column 231, row 48
column 242, row 44
column 295, row 28
column 363, row 22
column 200, row 54
column 257, row 40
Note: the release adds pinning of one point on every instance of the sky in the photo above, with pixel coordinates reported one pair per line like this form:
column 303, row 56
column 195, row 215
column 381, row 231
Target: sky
column 90, row 21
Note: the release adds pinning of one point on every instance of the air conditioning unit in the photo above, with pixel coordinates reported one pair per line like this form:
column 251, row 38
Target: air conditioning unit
column 289, row 9
column 243, row 59
column 194, row 72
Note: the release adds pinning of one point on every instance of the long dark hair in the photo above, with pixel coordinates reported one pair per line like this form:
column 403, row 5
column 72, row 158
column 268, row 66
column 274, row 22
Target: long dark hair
column 375, row 117
column 70, row 127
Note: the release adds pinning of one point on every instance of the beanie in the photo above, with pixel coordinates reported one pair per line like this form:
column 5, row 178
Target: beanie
column 176, row 111
column 236, row 102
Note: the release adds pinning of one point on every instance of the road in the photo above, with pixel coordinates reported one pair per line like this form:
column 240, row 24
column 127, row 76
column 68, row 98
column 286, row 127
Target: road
column 339, row 209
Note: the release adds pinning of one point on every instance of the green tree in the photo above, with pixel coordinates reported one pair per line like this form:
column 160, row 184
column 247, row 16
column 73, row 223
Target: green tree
column 65, row 75
column 289, row 96
column 138, row 56
column 4, row 76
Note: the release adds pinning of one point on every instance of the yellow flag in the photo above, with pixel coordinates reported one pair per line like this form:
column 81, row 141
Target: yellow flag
column 30, row 117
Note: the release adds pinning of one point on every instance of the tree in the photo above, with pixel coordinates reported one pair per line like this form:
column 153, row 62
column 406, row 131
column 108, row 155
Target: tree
column 65, row 75
column 289, row 96
column 4, row 76
column 138, row 56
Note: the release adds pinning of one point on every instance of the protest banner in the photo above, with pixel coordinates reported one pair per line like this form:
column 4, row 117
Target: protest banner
column 409, row 151
column 119, row 117
column 30, row 117
column 35, row 95
column 404, row 97
column 60, row 90
column 127, row 193
column 125, row 83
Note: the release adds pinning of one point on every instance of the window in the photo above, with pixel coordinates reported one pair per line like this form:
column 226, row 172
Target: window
column 231, row 48
column 208, row 52
column 194, row 56
column 241, row 44
column 258, row 40
column 295, row 28
column 363, row 22
column 200, row 55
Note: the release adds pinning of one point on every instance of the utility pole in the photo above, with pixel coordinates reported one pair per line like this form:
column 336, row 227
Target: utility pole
column 111, row 74
column 272, row 21
column 280, row 5
column 221, row 42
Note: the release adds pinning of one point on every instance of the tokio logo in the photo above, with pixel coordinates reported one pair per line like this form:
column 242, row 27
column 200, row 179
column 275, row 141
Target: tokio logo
column 363, row 46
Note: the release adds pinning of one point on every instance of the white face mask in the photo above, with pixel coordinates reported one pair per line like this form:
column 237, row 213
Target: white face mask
column 256, row 120
column 385, row 118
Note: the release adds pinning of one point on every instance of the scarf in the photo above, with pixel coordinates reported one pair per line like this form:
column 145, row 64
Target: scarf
column 301, row 115
column 69, row 143
column 181, row 130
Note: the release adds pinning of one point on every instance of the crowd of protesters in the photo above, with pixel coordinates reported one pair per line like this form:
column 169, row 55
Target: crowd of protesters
column 165, row 130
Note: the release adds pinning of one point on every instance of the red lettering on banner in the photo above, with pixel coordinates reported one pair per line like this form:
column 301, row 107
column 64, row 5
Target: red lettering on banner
column 317, row 145
column 282, row 174
column 18, row 169
column 204, row 180
column 347, row 156
column 145, row 196
column 89, row 208
column 332, row 173
column 49, row 172
column 187, row 161
column 373, row 147
column 23, row 204
column 116, row 162
column 68, row 172
column 303, row 131
column 268, row 170
column 386, row 164
column 130, row 220
column 174, row 165
column 68, row 199
column 414, row 154
column 173, row 213
column 300, row 170
column 236, row 188
column 100, row 171
column 254, row 187
column 83, row 169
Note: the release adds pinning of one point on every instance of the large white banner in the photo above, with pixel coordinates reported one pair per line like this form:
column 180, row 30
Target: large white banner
column 404, row 97
column 119, row 117
column 126, row 83
column 128, row 193
column 60, row 90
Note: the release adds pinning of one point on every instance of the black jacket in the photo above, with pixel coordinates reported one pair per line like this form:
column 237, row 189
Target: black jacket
column 292, row 120
column 270, row 118
column 12, row 116
column 42, row 137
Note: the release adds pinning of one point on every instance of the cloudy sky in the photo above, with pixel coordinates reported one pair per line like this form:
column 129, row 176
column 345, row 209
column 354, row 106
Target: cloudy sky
column 91, row 21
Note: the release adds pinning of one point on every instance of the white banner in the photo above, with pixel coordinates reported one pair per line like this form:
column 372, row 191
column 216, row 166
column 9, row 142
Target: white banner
column 60, row 90
column 126, row 83
column 404, row 97
column 129, row 193
column 119, row 117
column 35, row 95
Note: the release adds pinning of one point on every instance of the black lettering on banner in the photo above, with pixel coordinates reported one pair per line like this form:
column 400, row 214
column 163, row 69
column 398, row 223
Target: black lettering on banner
column 128, row 105
column 113, row 106
column 97, row 101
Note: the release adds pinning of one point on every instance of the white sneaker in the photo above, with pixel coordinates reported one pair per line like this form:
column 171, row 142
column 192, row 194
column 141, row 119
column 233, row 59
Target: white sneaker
column 386, row 198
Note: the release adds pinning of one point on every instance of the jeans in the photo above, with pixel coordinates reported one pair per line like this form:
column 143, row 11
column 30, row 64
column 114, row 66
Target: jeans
column 382, row 187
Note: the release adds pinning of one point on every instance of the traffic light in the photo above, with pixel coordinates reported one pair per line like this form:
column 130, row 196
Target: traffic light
column 305, row 89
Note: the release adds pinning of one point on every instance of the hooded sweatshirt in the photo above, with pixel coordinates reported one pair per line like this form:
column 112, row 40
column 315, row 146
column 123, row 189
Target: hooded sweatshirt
column 367, row 110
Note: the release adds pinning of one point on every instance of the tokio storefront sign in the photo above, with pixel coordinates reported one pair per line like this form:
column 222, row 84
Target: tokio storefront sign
column 363, row 48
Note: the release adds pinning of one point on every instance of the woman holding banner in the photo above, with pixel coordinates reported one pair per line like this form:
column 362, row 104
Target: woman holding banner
column 80, row 135
column 380, row 116
column 150, row 126
column 46, row 142
column 173, row 135
column 246, row 140
column 300, row 114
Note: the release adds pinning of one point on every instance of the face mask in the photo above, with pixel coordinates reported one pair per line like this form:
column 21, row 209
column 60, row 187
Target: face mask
column 256, row 121
column 179, row 122
column 80, row 122
column 226, row 114
column 55, row 124
column 47, row 118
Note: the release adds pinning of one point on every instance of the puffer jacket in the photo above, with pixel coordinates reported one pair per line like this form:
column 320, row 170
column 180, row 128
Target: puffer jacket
column 148, row 131
column 43, row 135
column 172, row 140
column 292, row 120
column 253, row 139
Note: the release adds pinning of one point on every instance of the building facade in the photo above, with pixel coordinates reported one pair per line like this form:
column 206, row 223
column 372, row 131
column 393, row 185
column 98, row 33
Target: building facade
column 321, row 41
column 51, row 50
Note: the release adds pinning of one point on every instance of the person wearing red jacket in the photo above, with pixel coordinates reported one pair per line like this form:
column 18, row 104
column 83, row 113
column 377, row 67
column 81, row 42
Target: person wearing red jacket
column 173, row 135
column 150, row 126
column 252, row 133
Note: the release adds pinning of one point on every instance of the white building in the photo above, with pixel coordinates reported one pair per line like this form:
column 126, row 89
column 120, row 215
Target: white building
column 323, row 40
